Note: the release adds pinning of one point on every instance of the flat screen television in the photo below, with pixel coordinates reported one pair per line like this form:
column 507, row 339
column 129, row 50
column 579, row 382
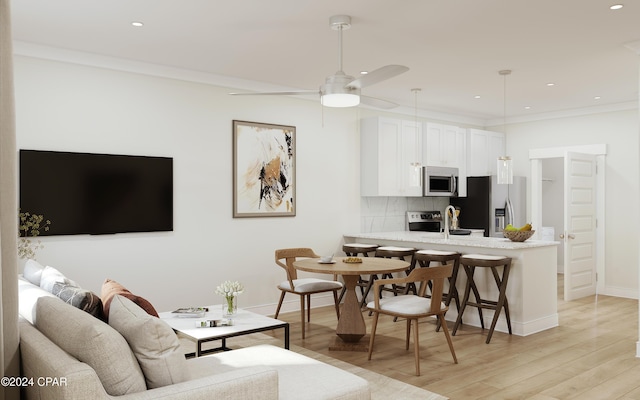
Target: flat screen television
column 84, row 193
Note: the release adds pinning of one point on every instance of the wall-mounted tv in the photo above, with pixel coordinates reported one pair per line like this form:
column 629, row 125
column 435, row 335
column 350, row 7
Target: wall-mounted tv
column 84, row 193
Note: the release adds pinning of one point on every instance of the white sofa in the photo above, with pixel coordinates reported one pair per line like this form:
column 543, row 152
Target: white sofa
column 69, row 354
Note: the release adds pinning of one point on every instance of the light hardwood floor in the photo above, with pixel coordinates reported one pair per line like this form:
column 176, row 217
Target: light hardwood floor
column 591, row 355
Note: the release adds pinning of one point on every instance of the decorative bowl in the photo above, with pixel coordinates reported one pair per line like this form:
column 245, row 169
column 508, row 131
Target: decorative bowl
column 518, row 236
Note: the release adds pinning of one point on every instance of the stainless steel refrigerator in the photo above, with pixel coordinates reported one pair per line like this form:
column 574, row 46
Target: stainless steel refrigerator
column 486, row 206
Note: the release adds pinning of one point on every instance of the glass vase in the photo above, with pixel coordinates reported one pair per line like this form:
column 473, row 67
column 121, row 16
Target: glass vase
column 230, row 306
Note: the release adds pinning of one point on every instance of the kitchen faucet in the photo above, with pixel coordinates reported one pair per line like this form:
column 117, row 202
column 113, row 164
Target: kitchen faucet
column 454, row 220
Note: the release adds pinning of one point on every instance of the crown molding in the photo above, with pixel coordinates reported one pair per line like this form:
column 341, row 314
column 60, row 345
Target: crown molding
column 33, row 50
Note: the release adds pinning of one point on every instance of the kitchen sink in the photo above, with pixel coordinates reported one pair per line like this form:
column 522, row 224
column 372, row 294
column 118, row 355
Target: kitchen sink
column 460, row 232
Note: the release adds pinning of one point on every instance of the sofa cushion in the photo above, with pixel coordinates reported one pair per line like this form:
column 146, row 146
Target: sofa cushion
column 153, row 342
column 28, row 295
column 80, row 298
column 93, row 342
column 33, row 271
column 51, row 276
column 299, row 376
column 111, row 288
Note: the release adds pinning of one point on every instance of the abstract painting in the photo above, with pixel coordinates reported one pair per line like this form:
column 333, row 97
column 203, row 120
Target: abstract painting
column 264, row 182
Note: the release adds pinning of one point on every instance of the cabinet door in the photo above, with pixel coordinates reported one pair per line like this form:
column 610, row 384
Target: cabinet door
column 388, row 147
column 411, row 158
column 484, row 148
column 443, row 145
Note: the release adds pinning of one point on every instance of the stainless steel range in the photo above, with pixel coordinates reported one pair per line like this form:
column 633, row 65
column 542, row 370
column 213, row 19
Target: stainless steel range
column 424, row 221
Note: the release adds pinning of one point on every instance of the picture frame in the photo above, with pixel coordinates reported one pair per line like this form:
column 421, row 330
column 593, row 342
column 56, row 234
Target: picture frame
column 264, row 170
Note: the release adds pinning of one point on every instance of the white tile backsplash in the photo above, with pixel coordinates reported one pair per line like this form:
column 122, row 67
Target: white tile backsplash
column 389, row 214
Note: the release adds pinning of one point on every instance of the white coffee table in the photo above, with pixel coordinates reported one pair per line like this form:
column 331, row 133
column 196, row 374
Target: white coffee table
column 244, row 323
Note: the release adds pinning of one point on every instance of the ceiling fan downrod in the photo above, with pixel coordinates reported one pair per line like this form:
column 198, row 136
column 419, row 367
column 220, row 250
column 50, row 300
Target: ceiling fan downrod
column 340, row 23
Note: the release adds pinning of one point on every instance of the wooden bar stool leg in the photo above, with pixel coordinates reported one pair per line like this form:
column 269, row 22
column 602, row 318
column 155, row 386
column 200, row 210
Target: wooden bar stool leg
column 465, row 299
column 502, row 298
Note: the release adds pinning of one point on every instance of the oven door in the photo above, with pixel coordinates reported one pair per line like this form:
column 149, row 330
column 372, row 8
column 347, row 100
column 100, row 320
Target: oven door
column 440, row 181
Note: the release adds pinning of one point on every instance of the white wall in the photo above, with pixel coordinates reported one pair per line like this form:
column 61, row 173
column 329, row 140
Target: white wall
column 76, row 108
column 70, row 107
column 619, row 131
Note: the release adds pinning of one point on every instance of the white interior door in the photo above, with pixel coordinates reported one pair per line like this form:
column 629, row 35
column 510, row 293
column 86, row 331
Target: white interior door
column 579, row 234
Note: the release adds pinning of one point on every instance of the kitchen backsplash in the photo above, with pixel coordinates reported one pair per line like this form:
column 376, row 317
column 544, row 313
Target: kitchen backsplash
column 389, row 214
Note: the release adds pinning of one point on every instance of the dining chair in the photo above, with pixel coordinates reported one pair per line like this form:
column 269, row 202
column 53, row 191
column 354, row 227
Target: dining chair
column 414, row 306
column 303, row 287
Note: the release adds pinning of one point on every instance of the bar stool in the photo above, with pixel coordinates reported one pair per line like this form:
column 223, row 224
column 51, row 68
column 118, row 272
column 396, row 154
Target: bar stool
column 472, row 261
column 352, row 250
column 393, row 252
column 424, row 258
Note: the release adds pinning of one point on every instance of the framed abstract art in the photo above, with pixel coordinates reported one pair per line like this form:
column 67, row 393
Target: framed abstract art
column 264, row 170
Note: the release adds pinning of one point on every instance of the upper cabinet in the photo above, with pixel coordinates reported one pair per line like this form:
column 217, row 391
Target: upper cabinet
column 483, row 150
column 444, row 145
column 388, row 148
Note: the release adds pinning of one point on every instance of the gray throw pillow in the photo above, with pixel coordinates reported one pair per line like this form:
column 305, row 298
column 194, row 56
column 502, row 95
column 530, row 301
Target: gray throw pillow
column 80, row 298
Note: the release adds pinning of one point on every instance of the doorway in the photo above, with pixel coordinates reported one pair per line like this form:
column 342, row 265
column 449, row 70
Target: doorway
column 558, row 200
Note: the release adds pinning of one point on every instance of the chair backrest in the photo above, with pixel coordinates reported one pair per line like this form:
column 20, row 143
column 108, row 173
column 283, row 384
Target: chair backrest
column 286, row 257
column 436, row 275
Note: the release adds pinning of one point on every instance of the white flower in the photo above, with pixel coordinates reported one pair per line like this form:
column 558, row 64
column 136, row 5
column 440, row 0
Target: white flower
column 230, row 289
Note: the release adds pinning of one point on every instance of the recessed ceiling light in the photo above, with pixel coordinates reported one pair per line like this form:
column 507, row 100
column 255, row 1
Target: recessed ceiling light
column 137, row 24
column 616, row 7
column 527, row 107
column 364, row 72
column 551, row 84
column 596, row 98
column 476, row 96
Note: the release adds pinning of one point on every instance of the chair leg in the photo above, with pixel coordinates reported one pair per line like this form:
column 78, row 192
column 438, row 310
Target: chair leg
column 279, row 304
column 374, row 325
column 337, row 302
column 416, row 346
column 408, row 335
column 302, row 314
column 443, row 324
column 308, row 308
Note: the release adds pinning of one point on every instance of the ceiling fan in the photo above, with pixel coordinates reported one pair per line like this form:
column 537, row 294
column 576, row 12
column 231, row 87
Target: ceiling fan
column 342, row 90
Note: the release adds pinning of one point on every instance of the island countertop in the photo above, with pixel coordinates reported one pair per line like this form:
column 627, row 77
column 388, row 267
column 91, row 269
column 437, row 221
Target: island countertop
column 454, row 240
column 532, row 287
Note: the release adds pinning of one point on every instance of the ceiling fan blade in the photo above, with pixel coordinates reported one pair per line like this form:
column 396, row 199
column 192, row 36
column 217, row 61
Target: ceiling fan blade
column 378, row 103
column 302, row 92
column 378, row 75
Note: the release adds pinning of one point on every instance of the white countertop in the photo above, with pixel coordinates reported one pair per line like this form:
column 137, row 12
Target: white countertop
column 438, row 238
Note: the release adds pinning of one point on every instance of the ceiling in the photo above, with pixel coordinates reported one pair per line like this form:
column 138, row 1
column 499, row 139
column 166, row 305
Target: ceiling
column 454, row 48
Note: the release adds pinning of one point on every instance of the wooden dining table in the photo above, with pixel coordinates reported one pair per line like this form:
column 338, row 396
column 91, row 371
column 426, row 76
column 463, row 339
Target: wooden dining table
column 351, row 327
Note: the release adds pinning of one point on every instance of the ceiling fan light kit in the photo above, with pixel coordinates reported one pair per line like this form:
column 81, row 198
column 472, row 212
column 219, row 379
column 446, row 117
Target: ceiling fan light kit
column 342, row 90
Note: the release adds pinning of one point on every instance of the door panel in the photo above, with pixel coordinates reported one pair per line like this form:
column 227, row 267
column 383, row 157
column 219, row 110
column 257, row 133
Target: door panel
column 579, row 235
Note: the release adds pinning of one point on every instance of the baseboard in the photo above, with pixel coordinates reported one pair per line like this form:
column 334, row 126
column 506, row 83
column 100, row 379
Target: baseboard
column 620, row 292
column 291, row 304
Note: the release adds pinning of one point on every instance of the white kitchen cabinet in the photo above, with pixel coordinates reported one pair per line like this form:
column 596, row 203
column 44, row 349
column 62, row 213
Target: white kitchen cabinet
column 483, row 150
column 388, row 147
column 445, row 146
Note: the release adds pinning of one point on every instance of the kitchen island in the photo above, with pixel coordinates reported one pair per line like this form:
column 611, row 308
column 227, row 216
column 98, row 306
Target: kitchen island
column 532, row 287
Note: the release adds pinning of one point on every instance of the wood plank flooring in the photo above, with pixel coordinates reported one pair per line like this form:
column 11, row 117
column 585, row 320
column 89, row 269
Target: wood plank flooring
column 591, row 355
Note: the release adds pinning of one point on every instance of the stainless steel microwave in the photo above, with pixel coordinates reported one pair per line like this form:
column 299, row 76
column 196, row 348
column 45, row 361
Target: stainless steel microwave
column 440, row 181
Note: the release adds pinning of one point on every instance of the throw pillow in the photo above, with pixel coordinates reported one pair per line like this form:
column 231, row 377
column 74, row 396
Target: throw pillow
column 80, row 298
column 50, row 276
column 153, row 342
column 33, row 271
column 93, row 342
column 111, row 288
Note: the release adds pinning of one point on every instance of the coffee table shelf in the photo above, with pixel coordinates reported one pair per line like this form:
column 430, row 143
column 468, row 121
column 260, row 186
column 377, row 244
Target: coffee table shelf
column 244, row 323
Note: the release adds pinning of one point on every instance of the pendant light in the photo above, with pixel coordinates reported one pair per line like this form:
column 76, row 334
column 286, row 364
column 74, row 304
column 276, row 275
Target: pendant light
column 415, row 167
column 505, row 164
